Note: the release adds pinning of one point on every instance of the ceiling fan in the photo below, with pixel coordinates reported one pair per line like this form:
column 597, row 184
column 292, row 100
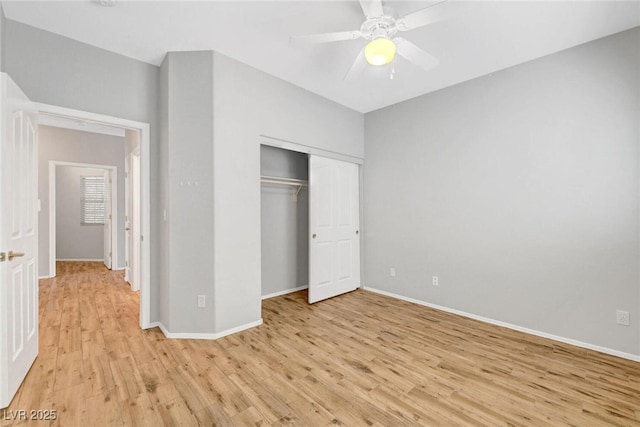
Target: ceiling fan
column 380, row 29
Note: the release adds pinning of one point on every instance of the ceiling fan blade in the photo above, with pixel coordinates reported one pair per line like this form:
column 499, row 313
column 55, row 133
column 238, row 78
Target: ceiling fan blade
column 414, row 54
column 358, row 65
column 422, row 17
column 326, row 37
column 372, row 8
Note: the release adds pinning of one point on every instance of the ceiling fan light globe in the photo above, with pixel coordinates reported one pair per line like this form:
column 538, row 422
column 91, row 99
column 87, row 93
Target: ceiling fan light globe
column 380, row 51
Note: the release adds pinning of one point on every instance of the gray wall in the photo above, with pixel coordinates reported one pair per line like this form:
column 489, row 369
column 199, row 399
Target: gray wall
column 55, row 70
column 284, row 222
column 520, row 190
column 501, row 186
column 2, row 38
column 74, row 240
column 187, row 152
column 249, row 103
column 66, row 145
column 213, row 112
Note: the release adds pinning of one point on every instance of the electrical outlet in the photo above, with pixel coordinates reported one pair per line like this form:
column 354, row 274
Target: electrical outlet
column 434, row 281
column 202, row 301
column 622, row 317
column 392, row 272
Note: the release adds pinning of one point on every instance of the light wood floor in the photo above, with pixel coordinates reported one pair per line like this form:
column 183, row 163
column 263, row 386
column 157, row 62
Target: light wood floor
column 359, row 359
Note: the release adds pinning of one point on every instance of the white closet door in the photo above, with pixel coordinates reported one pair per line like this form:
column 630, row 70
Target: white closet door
column 18, row 237
column 334, row 222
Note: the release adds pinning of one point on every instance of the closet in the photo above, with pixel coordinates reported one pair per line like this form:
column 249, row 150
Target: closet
column 310, row 220
column 284, row 220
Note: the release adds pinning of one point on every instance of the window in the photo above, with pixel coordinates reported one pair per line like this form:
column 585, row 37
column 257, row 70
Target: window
column 92, row 195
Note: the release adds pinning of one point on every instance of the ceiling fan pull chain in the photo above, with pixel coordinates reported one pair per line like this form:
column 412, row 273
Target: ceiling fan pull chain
column 393, row 71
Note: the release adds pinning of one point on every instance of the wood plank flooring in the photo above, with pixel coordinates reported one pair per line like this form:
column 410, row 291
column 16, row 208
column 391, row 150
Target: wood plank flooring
column 357, row 360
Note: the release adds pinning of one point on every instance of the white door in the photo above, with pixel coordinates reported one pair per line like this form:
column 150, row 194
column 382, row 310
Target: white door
column 132, row 221
column 127, row 219
column 18, row 238
column 334, row 222
column 107, row 218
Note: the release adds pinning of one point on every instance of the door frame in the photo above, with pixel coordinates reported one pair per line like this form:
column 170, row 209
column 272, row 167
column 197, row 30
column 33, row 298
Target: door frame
column 111, row 237
column 132, row 219
column 306, row 149
column 143, row 131
column 53, row 164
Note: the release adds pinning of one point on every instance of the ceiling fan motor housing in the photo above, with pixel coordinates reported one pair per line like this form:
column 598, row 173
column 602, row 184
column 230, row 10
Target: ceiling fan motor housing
column 379, row 26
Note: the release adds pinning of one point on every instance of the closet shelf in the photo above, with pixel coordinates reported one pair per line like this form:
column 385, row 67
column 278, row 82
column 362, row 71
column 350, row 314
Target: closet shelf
column 283, row 181
column 291, row 182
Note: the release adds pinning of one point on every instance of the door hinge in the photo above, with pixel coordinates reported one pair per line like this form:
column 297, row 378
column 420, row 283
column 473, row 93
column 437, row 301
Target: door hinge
column 3, row 256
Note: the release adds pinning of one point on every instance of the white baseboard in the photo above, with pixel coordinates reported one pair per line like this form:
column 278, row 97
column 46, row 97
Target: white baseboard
column 198, row 336
column 152, row 325
column 286, row 291
column 635, row 358
column 238, row 329
column 46, row 277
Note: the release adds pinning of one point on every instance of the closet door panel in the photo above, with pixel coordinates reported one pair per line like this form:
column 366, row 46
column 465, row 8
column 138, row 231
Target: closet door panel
column 334, row 244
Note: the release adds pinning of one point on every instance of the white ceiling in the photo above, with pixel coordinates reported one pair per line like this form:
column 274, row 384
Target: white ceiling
column 476, row 38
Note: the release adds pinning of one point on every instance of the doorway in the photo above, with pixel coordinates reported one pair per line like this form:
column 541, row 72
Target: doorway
column 73, row 233
column 138, row 135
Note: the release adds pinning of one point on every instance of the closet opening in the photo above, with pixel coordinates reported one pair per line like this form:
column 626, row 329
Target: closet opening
column 284, row 215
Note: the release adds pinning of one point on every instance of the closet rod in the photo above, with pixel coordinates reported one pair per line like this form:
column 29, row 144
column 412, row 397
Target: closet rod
column 283, row 181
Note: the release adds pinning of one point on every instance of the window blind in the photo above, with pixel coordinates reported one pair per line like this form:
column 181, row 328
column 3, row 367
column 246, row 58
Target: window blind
column 92, row 199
